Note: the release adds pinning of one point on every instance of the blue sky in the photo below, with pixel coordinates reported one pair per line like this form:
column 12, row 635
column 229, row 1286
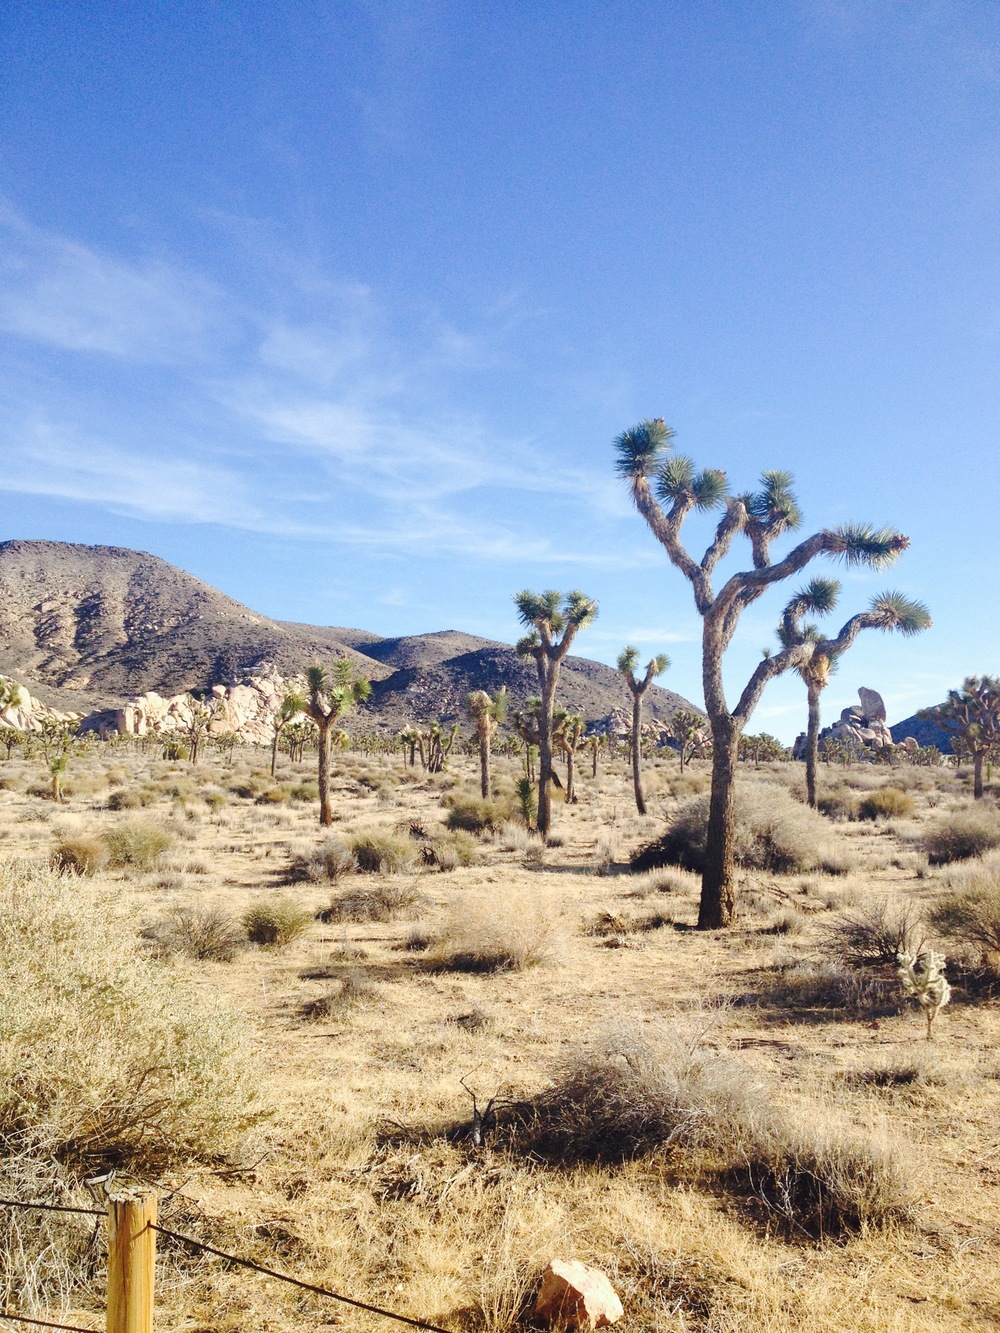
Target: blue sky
column 339, row 306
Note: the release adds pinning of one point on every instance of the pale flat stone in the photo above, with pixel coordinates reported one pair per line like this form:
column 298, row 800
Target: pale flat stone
column 575, row 1296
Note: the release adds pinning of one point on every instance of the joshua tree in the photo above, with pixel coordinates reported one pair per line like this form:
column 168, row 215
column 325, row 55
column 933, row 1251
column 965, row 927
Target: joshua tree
column 331, row 694
column 200, row 717
column 764, row 748
column 819, row 657
column 567, row 733
column 628, row 660
column 644, row 452
column 10, row 738
column 487, row 711
column 291, row 707
column 972, row 716
column 687, row 729
column 57, row 767
column 554, row 621
column 11, row 696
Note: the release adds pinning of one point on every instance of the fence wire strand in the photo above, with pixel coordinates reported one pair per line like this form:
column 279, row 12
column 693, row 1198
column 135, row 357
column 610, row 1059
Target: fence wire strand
column 296, row 1282
column 52, row 1208
column 44, row 1323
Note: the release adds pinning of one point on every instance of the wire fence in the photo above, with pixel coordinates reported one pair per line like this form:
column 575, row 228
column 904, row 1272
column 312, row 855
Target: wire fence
column 202, row 1247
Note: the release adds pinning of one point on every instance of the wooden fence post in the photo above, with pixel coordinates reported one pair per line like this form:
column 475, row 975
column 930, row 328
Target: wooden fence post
column 131, row 1261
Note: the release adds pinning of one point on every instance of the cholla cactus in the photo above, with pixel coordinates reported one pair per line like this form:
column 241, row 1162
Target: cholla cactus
column 923, row 977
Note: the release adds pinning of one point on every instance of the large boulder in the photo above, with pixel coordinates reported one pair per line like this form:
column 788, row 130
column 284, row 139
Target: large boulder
column 872, row 705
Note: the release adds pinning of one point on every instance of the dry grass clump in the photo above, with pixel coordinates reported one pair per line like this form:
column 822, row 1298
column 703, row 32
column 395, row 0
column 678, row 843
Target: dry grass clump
column 275, row 923
column 82, row 854
column 875, row 932
column 838, row 803
column 485, row 933
column 137, row 844
column 381, row 901
column 108, row 1058
column 206, row 934
column 886, row 803
column 827, row 986
column 354, row 989
column 626, row 1098
column 962, row 834
column 324, row 864
column 773, row 832
column 968, row 912
column 379, row 853
column 478, row 814
column 449, row 850
column 131, row 798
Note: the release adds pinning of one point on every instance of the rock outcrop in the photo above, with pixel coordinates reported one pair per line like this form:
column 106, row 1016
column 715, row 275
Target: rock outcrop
column 29, row 713
column 863, row 724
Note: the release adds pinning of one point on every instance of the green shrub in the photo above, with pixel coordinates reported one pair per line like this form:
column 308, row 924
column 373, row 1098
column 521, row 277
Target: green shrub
column 85, row 854
column 324, row 864
column 962, row 834
column 886, row 803
column 305, row 791
column 476, row 814
column 274, row 796
column 382, row 853
column 137, row 844
column 276, row 923
column 207, row 934
column 448, row 850
column 772, row 832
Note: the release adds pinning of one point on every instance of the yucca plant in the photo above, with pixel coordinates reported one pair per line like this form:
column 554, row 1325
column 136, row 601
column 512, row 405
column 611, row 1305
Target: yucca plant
column 628, row 660
column 331, row 694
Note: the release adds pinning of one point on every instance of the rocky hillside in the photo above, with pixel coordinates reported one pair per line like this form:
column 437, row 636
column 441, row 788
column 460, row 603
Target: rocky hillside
column 87, row 628
column 923, row 731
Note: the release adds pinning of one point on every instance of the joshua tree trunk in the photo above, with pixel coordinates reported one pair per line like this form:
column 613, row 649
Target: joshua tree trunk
column 274, row 752
column 717, row 885
column 570, row 789
column 325, row 804
column 977, row 774
column 812, row 741
column 544, row 818
column 484, row 760
column 640, row 803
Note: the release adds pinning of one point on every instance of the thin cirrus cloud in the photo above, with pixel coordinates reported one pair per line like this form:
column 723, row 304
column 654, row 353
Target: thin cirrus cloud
column 270, row 421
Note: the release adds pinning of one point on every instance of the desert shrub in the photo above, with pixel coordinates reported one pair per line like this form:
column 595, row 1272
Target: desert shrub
column 886, row 803
column 477, row 814
column 448, row 850
column 382, row 853
column 827, row 985
column 969, row 909
column 207, row 934
column 130, row 798
column 275, row 923
column 838, row 804
column 305, row 791
column 486, row 933
column 324, row 864
column 274, row 796
column 382, row 901
column 875, row 933
column 84, row 854
column 625, row 1098
column 962, row 834
column 354, row 990
column 107, row 1057
column 137, row 844
column 772, row 832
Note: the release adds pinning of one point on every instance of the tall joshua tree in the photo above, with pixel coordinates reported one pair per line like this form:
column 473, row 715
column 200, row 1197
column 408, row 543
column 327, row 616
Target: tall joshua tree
column 331, row 694
column 818, row 657
column 628, row 660
column 487, row 712
column 554, row 621
column 291, row 706
column 972, row 714
column 666, row 487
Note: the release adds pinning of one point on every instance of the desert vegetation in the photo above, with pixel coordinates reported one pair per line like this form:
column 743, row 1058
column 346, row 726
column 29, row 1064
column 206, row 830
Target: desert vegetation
column 282, row 1026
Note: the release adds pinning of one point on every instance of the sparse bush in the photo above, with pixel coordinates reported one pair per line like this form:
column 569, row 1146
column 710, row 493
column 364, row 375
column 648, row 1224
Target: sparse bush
column 838, row 804
column 886, row 803
column 276, row 923
column 130, row 798
column 962, row 835
column 274, row 796
column 85, row 854
column 489, row 934
column 382, row 853
column 305, row 791
column 447, row 851
column 324, row 864
column 876, row 933
column 969, row 909
column 478, row 814
column 828, row 985
column 773, row 832
column 137, row 844
column 382, row 901
column 207, row 934
column 354, row 989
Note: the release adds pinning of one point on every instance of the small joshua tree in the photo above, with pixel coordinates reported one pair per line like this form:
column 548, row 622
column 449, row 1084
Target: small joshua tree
column 628, row 660
column 487, row 711
column 331, row 694
column 554, row 621
column 923, row 977
column 57, row 767
column 646, row 461
column 567, row 735
column 688, row 730
column 293, row 705
column 972, row 716
column 818, row 657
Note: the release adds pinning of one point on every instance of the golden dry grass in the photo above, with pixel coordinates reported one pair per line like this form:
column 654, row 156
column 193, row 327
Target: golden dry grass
column 360, row 1182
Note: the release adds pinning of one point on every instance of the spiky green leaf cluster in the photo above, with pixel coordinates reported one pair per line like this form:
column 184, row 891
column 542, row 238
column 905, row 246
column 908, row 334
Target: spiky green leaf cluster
column 641, row 448
column 899, row 613
column 861, row 544
column 774, row 506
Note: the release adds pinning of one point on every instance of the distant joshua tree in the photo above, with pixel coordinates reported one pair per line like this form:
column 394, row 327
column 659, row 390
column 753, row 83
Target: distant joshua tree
column 554, row 621
column 567, row 734
column 644, row 453
column 628, row 660
column 487, row 711
column 331, row 694
column 687, row 729
column 972, row 716
column 11, row 696
column 818, row 657
column 293, row 705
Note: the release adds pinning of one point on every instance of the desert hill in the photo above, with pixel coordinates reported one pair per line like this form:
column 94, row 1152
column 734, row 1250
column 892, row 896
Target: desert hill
column 87, row 627
column 924, row 732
